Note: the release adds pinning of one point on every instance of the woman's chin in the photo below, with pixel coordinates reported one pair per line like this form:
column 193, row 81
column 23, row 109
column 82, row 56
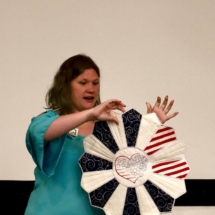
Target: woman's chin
column 88, row 106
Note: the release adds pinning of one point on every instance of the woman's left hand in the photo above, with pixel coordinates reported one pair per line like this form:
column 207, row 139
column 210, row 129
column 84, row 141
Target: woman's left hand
column 162, row 110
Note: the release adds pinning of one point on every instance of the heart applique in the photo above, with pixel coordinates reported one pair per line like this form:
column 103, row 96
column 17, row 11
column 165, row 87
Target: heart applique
column 131, row 168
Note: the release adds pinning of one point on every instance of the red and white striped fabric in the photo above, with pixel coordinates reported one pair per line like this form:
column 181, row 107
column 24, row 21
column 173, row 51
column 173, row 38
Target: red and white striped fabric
column 177, row 168
column 163, row 136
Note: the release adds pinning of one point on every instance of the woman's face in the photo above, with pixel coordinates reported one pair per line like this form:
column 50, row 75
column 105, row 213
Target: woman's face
column 85, row 90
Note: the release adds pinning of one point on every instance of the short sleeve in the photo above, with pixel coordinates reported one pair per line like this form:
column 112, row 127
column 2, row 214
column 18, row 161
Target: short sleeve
column 45, row 154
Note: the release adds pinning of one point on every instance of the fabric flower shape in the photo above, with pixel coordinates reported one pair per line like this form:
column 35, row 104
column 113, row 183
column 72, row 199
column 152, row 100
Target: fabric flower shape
column 136, row 167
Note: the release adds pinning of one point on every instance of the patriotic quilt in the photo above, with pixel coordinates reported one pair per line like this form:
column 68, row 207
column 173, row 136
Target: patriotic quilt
column 137, row 167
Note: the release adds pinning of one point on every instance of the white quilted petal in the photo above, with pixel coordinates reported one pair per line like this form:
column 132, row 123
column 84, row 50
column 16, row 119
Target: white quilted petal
column 146, row 204
column 171, row 150
column 115, row 204
column 92, row 180
column 95, row 147
column 173, row 186
column 148, row 127
column 118, row 131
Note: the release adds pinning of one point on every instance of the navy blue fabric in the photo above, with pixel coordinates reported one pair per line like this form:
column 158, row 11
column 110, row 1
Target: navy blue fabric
column 131, row 120
column 163, row 201
column 101, row 195
column 90, row 163
column 131, row 206
column 103, row 133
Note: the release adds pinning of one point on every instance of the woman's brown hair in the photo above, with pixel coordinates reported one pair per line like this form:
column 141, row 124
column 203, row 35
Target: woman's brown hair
column 59, row 95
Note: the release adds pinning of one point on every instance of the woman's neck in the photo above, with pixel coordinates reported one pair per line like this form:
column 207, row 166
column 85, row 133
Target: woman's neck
column 86, row 128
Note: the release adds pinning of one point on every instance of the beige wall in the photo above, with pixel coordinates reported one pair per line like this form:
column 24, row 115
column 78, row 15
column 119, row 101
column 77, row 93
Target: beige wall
column 193, row 211
column 144, row 49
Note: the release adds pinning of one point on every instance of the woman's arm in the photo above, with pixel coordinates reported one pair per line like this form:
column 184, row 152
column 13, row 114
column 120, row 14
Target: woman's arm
column 65, row 123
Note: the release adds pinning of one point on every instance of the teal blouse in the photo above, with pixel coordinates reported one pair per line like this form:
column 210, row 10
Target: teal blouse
column 57, row 189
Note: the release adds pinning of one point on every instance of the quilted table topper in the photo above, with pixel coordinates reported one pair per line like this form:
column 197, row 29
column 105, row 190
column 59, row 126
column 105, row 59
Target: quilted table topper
column 135, row 168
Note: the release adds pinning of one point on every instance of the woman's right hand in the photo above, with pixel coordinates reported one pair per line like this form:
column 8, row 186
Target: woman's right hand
column 102, row 111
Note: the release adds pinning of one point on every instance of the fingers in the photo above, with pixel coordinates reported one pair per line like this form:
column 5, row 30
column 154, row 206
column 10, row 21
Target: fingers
column 149, row 108
column 163, row 106
column 168, row 117
column 158, row 102
column 113, row 118
column 169, row 107
column 117, row 104
column 162, row 109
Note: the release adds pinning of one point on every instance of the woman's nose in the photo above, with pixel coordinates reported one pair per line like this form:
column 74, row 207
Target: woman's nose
column 90, row 87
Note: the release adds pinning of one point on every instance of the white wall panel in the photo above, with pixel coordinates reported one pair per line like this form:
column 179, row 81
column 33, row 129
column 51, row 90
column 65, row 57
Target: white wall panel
column 143, row 48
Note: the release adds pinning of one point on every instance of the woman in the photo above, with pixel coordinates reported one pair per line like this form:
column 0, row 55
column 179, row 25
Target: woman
column 73, row 102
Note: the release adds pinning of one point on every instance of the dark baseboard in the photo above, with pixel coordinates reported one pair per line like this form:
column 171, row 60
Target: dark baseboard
column 15, row 194
column 200, row 192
